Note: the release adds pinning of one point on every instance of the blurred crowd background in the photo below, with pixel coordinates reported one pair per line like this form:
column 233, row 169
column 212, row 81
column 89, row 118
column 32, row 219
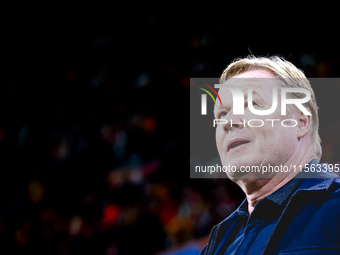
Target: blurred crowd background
column 94, row 128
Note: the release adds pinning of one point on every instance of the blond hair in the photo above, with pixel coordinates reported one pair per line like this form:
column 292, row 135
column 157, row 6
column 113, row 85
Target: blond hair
column 290, row 76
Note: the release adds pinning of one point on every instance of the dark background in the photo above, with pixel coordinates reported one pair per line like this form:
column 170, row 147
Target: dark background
column 94, row 159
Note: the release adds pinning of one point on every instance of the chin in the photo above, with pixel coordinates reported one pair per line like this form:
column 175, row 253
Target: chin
column 236, row 175
column 241, row 161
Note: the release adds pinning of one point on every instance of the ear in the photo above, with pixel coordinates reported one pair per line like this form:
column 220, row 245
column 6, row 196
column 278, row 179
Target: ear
column 304, row 124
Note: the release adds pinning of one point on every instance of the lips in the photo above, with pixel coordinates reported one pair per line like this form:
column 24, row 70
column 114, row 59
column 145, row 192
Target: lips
column 236, row 142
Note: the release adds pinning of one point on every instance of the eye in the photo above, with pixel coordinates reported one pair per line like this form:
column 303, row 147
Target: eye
column 223, row 114
column 254, row 104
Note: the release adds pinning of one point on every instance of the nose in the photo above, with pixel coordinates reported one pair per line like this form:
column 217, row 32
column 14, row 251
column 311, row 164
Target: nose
column 234, row 122
column 231, row 125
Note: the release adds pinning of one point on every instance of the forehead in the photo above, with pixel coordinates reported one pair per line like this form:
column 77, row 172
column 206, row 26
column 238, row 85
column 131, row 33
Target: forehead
column 261, row 81
column 261, row 73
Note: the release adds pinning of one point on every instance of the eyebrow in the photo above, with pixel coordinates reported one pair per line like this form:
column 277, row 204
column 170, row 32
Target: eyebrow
column 256, row 93
column 216, row 109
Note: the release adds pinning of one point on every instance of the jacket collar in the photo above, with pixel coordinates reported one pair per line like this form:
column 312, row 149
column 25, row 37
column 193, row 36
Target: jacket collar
column 313, row 181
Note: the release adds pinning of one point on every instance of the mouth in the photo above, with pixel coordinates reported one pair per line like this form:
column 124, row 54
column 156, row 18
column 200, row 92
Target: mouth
column 236, row 143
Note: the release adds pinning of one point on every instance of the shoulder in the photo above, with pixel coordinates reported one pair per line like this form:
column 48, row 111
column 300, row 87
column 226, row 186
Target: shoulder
column 322, row 194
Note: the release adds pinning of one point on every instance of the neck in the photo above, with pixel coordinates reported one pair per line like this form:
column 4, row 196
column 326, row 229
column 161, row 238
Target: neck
column 259, row 188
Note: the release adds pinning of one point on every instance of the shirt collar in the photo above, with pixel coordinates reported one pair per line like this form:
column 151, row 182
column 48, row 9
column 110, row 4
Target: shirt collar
column 281, row 195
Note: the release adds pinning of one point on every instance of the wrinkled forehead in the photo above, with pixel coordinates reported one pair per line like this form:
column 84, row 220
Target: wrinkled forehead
column 257, row 85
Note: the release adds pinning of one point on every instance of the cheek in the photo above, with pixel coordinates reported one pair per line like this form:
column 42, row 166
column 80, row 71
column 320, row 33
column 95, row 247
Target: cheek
column 264, row 137
column 219, row 137
column 271, row 139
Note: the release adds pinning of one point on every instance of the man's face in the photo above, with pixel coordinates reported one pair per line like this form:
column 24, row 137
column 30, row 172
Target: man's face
column 249, row 146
